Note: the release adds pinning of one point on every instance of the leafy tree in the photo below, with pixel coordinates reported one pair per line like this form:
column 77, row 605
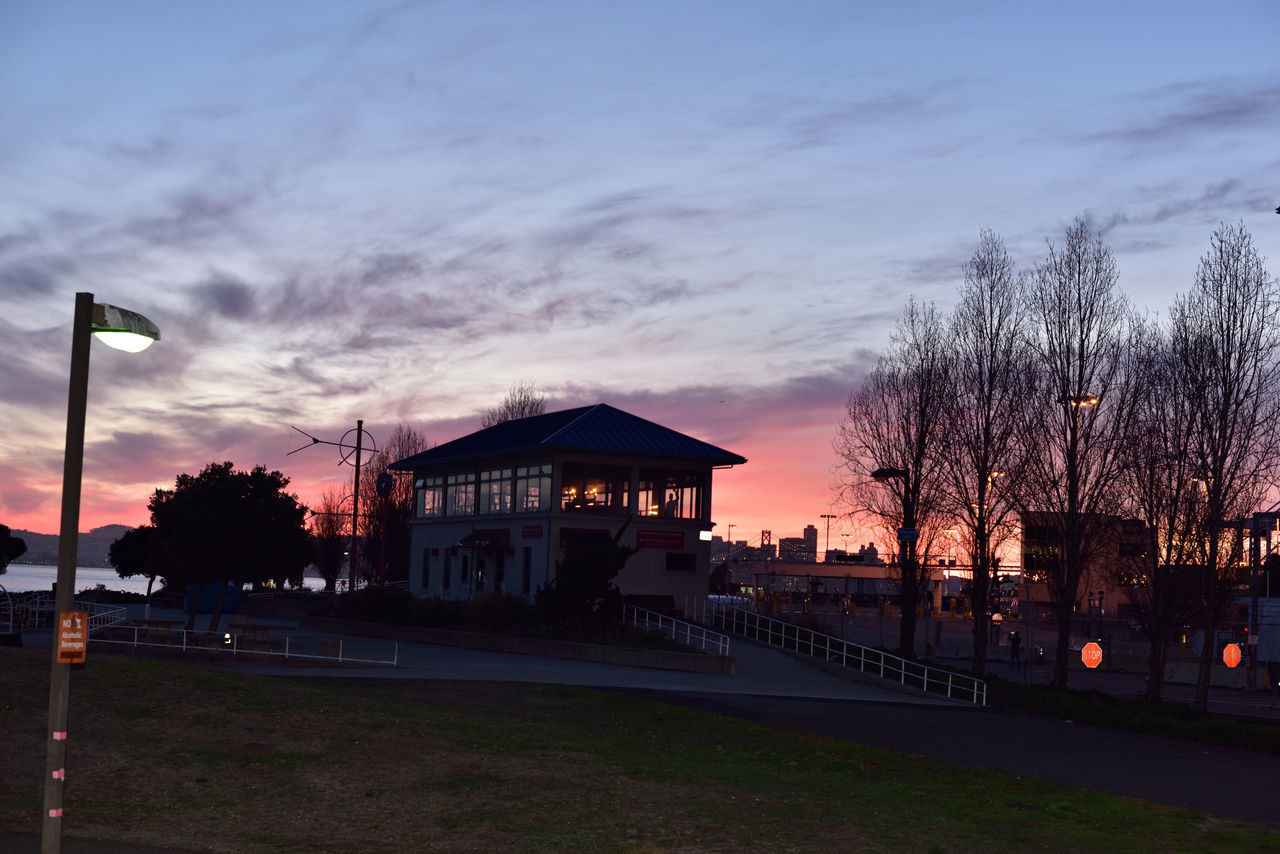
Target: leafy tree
column 1225, row 337
column 521, row 401
column 385, row 521
column 223, row 525
column 11, row 548
column 583, row 592
column 894, row 421
column 1075, row 423
column 134, row 553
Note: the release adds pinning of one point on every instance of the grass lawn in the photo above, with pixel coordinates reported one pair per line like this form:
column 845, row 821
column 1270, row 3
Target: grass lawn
column 176, row 756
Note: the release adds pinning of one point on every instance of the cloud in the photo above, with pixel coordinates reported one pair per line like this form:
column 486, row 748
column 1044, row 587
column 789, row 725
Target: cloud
column 34, row 275
column 225, row 296
column 189, row 217
column 1187, row 111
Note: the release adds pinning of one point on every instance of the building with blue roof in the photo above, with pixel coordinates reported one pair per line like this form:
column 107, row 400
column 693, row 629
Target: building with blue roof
column 495, row 510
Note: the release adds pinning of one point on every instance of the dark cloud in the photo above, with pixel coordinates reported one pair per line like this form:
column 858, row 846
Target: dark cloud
column 1187, row 110
column 32, row 376
column 193, row 216
column 806, row 122
column 225, row 296
column 389, row 268
column 33, row 276
column 152, row 152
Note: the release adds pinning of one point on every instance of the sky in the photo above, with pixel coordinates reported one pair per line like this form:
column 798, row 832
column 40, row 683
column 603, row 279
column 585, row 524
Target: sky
column 708, row 213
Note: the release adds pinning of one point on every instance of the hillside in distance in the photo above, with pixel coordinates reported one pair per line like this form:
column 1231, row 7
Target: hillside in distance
column 91, row 548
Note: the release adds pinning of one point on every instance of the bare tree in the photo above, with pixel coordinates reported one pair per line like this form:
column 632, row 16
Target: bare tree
column 886, row 444
column 521, row 401
column 1079, row 412
column 385, row 520
column 1225, row 336
column 981, row 451
column 1159, row 488
column 328, row 526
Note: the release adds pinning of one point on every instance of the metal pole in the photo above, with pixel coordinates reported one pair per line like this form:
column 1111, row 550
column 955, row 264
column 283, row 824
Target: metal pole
column 355, row 507
column 1255, row 560
column 60, row 674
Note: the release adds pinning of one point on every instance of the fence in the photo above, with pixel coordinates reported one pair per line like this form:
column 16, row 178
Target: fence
column 689, row 634
column 886, row 666
column 34, row 610
column 233, row 643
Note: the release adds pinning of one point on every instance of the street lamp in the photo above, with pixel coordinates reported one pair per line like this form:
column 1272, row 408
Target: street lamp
column 828, row 517
column 124, row 330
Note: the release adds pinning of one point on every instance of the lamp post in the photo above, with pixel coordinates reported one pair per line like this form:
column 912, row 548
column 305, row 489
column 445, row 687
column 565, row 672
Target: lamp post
column 123, row 330
column 827, row 547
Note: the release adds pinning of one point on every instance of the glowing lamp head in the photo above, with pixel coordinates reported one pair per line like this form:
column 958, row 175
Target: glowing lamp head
column 123, row 329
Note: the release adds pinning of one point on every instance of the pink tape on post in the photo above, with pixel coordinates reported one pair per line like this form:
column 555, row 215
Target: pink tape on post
column 59, row 735
column 55, row 813
column 60, row 774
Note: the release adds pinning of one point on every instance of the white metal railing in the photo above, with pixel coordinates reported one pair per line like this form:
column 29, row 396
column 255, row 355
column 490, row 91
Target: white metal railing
column 8, row 620
column 234, row 643
column 102, row 616
column 34, row 610
column 864, row 659
column 689, row 634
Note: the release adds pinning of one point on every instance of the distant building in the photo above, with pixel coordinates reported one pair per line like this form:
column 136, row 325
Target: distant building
column 1117, row 542
column 867, row 555
column 496, row 509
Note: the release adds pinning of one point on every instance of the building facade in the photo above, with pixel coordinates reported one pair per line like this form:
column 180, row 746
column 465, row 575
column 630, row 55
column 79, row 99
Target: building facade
column 495, row 510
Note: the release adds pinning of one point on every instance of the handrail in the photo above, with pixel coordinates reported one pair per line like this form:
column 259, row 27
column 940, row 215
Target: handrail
column 681, row 631
column 34, row 610
column 287, row 647
column 885, row 665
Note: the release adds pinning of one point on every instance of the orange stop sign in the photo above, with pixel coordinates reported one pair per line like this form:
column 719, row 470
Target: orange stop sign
column 1231, row 655
column 1091, row 655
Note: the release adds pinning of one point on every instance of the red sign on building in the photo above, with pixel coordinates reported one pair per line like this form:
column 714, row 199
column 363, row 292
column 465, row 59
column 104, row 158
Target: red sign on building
column 668, row 540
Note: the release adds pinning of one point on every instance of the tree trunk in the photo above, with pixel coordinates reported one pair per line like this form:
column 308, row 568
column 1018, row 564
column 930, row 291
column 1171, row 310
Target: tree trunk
column 1209, row 596
column 1063, row 650
column 980, row 632
column 1157, row 655
column 195, row 604
column 910, row 602
column 217, row 606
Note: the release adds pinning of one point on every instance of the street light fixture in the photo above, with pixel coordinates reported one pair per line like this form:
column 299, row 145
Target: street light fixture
column 124, row 330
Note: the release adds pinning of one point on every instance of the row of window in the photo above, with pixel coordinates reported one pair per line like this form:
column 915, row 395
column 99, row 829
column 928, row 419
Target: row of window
column 585, row 487
column 675, row 562
column 499, row 580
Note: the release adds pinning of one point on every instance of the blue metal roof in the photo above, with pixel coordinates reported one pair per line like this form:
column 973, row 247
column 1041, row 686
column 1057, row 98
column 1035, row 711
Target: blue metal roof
column 595, row 429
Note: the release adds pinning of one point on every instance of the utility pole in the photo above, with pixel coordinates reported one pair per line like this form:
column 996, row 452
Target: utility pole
column 827, row 547
column 347, row 452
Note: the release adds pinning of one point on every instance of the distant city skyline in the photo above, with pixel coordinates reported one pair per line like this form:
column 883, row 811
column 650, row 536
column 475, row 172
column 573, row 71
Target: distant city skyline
column 709, row 215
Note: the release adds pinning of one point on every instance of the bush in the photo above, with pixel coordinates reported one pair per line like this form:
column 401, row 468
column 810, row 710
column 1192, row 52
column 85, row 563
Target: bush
column 496, row 612
column 377, row 605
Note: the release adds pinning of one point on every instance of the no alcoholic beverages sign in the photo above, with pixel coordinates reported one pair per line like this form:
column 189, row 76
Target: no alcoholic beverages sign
column 73, row 637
